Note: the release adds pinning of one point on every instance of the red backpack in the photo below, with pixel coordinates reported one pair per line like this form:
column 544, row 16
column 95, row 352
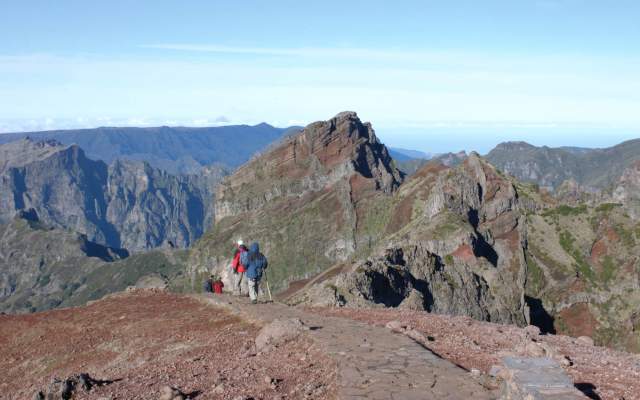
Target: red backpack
column 237, row 263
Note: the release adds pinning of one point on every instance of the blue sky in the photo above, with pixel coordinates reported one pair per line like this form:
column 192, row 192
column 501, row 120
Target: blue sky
column 430, row 75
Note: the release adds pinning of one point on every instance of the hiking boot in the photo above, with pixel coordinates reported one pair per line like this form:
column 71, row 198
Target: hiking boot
column 254, row 301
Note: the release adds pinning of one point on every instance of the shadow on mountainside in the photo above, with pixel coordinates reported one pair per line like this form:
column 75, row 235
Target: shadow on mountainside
column 539, row 315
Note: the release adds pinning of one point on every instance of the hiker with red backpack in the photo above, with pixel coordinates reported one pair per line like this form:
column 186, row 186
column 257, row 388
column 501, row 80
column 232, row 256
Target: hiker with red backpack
column 238, row 265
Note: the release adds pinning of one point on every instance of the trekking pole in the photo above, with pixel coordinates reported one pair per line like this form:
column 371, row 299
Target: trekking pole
column 266, row 280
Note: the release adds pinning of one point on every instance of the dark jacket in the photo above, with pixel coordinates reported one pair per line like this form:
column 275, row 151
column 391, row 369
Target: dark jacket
column 257, row 263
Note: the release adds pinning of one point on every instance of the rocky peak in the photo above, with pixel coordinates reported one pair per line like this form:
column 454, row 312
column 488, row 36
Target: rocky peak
column 322, row 154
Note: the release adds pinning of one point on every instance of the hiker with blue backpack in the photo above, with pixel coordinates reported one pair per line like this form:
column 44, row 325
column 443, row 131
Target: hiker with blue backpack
column 256, row 265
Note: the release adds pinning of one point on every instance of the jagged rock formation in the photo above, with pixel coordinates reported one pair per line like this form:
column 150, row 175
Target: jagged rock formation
column 42, row 267
column 455, row 241
column 550, row 167
column 307, row 201
column 125, row 205
column 627, row 191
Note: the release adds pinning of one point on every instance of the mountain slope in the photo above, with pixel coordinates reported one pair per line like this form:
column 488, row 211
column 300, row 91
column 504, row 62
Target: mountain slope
column 472, row 241
column 42, row 267
column 174, row 149
column 549, row 167
column 306, row 201
column 125, row 205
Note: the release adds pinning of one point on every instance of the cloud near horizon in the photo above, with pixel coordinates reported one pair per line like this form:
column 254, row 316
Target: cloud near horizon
column 394, row 89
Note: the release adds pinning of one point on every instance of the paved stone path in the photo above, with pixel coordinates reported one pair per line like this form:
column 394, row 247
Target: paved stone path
column 373, row 362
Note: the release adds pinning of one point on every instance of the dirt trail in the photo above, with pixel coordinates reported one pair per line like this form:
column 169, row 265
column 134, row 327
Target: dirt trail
column 373, row 362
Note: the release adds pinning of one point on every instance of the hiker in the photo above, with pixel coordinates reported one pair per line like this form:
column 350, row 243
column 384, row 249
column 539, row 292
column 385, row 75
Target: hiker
column 256, row 265
column 217, row 285
column 208, row 285
column 239, row 266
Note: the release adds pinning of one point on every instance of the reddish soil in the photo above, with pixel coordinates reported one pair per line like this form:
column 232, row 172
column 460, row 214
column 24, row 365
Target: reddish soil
column 474, row 344
column 430, row 169
column 402, row 215
column 148, row 339
column 579, row 320
column 612, row 235
column 598, row 250
column 464, row 253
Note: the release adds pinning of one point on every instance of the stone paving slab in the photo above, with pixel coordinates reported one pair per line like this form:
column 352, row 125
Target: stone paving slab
column 537, row 379
column 373, row 362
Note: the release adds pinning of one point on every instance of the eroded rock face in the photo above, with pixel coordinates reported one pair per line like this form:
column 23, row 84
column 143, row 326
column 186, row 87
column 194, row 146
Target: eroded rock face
column 125, row 205
column 455, row 240
column 303, row 200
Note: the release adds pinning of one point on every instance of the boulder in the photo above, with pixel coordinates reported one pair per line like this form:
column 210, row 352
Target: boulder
column 171, row 393
column 279, row 332
column 585, row 340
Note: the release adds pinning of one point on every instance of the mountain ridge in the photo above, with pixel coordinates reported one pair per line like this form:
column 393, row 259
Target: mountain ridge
column 175, row 149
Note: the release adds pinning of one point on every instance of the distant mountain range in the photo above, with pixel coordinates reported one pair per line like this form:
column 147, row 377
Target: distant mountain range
column 399, row 154
column 173, row 149
column 550, row 167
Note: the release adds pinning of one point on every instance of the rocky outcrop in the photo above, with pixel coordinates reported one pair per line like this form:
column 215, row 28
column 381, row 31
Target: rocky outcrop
column 305, row 200
column 456, row 239
column 627, row 190
column 125, row 205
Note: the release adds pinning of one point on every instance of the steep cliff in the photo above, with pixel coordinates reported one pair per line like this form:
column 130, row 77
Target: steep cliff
column 304, row 200
column 125, row 205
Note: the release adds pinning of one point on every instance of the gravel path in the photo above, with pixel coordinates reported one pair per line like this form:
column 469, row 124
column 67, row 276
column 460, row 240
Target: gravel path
column 604, row 373
column 373, row 362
